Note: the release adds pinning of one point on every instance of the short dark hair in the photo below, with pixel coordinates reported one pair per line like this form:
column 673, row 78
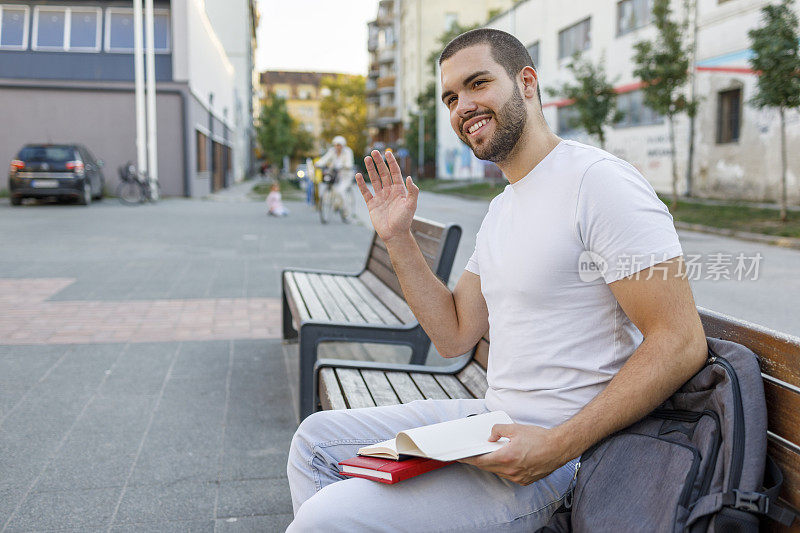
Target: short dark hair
column 506, row 49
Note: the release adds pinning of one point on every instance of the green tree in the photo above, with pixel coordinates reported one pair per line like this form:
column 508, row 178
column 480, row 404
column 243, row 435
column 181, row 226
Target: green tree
column 275, row 130
column 776, row 58
column 663, row 66
column 303, row 142
column 593, row 96
column 343, row 110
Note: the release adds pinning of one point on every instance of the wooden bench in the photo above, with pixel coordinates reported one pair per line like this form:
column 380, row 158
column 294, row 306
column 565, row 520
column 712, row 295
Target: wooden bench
column 352, row 384
column 366, row 306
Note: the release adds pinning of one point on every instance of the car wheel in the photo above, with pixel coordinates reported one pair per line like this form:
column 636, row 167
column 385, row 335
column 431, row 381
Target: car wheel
column 16, row 200
column 86, row 195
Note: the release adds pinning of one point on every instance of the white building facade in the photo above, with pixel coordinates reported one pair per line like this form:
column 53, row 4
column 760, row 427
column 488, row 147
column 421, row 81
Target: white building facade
column 737, row 146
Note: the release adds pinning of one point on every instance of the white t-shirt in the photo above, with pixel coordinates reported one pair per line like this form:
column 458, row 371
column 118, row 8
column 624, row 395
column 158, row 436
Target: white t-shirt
column 558, row 335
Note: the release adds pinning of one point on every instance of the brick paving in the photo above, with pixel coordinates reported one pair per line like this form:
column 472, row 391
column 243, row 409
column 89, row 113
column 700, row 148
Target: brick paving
column 27, row 317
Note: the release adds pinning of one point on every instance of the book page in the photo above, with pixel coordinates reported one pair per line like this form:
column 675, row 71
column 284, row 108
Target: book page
column 386, row 449
column 455, row 439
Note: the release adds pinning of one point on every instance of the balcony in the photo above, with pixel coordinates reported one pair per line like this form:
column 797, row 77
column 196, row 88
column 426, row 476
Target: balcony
column 386, row 55
column 386, row 82
column 388, row 111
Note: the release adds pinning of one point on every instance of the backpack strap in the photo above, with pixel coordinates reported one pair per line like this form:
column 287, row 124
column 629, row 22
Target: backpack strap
column 761, row 503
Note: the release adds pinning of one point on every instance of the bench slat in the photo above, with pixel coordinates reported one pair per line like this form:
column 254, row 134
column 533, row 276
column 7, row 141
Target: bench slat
column 330, row 395
column 789, row 463
column 453, row 387
column 474, row 378
column 310, row 297
column 396, row 304
column 783, row 411
column 297, row 305
column 385, row 274
column 342, row 301
column 482, row 353
column 778, row 351
column 428, row 247
column 404, row 386
column 429, row 387
column 330, row 304
column 372, row 301
column 369, row 314
column 355, row 390
column 428, row 227
column 379, row 386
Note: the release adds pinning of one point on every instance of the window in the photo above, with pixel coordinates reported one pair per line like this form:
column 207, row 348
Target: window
column 14, row 27
column 533, row 50
column 49, row 28
column 729, row 116
column 282, row 92
column 202, row 151
column 567, row 120
column 576, row 38
column 119, row 30
column 633, row 14
column 66, row 28
column 84, row 29
column 634, row 111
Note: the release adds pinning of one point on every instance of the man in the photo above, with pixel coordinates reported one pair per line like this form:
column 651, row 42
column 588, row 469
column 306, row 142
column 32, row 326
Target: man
column 585, row 340
column 339, row 158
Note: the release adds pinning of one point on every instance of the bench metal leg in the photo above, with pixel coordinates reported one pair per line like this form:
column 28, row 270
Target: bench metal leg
column 286, row 315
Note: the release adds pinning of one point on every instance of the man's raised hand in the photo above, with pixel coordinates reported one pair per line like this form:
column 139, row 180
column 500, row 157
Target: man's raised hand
column 392, row 206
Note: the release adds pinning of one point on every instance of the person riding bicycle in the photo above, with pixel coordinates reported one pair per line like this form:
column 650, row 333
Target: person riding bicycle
column 340, row 158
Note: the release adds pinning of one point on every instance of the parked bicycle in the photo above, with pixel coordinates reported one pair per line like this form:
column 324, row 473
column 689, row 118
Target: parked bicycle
column 331, row 199
column 134, row 186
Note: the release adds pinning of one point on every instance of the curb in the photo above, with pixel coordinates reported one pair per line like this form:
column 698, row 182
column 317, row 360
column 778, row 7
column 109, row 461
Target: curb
column 774, row 240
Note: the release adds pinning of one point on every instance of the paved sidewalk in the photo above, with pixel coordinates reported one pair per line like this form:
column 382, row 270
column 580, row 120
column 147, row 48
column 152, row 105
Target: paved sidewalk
column 143, row 386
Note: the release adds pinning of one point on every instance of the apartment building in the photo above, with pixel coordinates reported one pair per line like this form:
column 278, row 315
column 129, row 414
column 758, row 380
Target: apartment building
column 384, row 108
column 736, row 145
column 303, row 93
column 66, row 75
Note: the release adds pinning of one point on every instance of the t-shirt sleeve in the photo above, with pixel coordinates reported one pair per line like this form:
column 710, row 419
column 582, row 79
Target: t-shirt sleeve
column 621, row 221
column 472, row 263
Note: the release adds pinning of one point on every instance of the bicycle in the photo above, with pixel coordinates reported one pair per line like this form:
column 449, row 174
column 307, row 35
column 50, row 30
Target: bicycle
column 330, row 199
column 134, row 186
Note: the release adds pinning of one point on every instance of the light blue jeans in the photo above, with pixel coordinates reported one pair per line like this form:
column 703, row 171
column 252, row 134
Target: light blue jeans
column 457, row 497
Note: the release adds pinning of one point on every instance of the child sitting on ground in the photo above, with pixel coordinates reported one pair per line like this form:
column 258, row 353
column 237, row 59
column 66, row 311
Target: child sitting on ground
column 275, row 205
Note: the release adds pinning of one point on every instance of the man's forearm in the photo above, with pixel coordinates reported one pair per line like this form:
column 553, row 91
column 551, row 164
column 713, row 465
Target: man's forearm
column 429, row 299
column 661, row 364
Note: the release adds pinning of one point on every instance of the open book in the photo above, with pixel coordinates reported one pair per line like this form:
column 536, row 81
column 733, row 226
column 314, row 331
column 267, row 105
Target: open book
column 445, row 441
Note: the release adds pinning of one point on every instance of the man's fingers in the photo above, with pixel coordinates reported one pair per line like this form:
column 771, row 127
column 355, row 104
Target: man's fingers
column 394, row 168
column 501, row 430
column 413, row 190
column 373, row 174
column 363, row 188
column 383, row 170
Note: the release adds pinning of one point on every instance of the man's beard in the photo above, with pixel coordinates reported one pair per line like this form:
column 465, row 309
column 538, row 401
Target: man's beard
column 510, row 123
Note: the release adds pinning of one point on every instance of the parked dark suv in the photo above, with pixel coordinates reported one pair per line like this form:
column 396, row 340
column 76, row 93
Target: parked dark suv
column 55, row 170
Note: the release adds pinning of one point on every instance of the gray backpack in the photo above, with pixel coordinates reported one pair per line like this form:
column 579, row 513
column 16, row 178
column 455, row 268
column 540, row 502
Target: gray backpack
column 697, row 463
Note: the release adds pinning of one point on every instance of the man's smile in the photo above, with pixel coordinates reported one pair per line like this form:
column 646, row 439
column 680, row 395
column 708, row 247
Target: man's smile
column 475, row 125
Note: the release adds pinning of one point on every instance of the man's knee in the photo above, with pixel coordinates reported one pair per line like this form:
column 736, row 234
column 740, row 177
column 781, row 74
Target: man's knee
column 337, row 507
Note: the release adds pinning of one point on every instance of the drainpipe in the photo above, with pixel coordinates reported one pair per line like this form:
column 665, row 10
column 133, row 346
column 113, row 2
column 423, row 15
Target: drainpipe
column 152, row 151
column 692, row 92
column 138, row 69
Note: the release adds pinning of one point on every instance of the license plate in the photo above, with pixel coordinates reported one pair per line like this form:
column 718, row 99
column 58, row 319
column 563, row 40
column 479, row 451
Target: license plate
column 43, row 184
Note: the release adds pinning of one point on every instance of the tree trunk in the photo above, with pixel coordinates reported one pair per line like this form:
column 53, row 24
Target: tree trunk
column 674, row 204
column 783, row 166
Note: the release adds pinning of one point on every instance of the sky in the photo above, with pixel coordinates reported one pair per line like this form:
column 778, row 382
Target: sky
column 314, row 35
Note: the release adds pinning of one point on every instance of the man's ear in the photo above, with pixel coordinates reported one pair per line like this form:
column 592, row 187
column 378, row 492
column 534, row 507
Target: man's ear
column 530, row 82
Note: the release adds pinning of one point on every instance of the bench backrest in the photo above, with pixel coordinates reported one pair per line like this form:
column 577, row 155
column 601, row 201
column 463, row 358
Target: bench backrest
column 438, row 243
column 779, row 356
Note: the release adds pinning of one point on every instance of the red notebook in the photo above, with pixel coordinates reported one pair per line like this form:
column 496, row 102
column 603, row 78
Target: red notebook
column 388, row 470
